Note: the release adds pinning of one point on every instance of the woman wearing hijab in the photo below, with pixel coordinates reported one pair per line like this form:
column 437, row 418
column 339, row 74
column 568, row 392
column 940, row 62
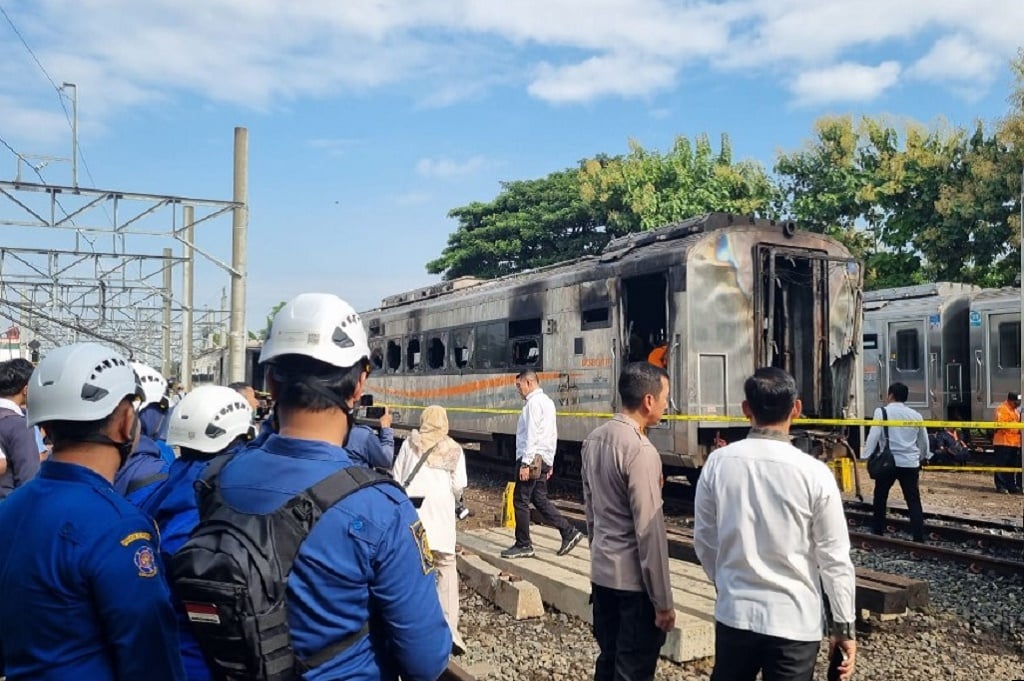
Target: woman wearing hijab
column 439, row 481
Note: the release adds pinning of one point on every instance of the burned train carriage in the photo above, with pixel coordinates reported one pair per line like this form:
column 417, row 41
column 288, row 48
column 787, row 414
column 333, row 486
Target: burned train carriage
column 726, row 293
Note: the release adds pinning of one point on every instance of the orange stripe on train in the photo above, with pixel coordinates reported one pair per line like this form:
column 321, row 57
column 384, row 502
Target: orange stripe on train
column 503, row 380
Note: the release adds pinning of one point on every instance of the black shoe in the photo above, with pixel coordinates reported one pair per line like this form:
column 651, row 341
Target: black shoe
column 516, row 551
column 570, row 543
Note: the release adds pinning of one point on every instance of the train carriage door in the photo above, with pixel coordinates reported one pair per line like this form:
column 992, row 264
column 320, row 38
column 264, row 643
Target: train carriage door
column 644, row 314
column 1003, row 366
column 906, row 360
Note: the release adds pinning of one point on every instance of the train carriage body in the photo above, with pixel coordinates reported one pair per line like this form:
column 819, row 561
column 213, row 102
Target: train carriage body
column 725, row 294
column 917, row 335
column 994, row 327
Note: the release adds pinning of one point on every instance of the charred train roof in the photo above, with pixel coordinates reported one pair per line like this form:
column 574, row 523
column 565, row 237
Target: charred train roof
column 629, row 255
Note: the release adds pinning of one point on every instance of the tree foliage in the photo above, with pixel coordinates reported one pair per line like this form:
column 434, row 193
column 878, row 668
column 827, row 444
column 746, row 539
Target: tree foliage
column 531, row 223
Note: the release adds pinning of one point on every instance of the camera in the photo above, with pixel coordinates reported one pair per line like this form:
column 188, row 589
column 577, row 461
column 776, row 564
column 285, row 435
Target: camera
column 372, row 412
column 461, row 512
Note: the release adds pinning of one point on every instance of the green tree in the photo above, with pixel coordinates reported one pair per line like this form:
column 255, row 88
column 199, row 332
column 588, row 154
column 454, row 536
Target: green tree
column 647, row 189
column 531, row 223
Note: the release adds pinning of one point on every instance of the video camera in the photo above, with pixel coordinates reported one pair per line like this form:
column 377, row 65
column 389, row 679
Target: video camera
column 372, row 412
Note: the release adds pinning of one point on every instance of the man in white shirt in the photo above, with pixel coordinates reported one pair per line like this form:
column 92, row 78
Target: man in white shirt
column 909, row 448
column 770, row 532
column 536, row 436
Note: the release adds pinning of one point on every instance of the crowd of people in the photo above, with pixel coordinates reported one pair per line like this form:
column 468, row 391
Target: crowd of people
column 161, row 535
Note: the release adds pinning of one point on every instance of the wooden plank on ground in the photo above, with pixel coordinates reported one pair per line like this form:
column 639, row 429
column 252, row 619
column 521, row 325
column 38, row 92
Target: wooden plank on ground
column 917, row 591
column 881, row 598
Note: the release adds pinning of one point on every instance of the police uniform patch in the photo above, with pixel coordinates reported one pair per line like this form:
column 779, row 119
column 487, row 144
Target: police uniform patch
column 136, row 536
column 419, row 535
column 146, row 562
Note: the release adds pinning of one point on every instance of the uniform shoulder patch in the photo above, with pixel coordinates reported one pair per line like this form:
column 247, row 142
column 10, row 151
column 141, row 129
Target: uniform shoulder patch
column 136, row 536
column 419, row 535
column 145, row 561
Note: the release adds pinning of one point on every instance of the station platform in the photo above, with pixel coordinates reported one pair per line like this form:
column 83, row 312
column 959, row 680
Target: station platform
column 564, row 583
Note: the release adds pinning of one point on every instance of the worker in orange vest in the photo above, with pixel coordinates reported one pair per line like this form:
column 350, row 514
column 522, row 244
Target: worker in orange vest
column 1007, row 445
column 659, row 355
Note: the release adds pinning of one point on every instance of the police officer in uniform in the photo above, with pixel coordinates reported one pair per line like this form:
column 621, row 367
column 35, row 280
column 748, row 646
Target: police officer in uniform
column 80, row 572
column 367, row 558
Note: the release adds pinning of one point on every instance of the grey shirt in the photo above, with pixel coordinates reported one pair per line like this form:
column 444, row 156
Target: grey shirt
column 625, row 522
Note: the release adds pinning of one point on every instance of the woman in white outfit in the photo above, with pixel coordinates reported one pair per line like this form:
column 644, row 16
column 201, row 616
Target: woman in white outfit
column 439, row 481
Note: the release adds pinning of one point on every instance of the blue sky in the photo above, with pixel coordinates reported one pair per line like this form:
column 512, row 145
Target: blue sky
column 369, row 120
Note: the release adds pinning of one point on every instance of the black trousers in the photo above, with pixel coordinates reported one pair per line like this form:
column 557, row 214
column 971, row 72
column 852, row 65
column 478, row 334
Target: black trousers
column 1008, row 457
column 625, row 633
column 741, row 654
column 908, row 479
column 536, row 491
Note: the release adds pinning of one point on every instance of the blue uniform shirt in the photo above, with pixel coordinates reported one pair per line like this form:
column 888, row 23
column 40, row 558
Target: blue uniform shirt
column 172, row 505
column 83, row 596
column 365, row 447
column 147, row 461
column 367, row 552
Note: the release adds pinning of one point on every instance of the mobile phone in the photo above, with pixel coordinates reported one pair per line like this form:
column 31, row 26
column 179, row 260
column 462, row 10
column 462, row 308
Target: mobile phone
column 374, row 412
column 838, row 657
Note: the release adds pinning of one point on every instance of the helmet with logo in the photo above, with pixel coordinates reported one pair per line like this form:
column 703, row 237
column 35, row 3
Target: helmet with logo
column 154, row 385
column 210, row 418
column 81, row 382
column 317, row 325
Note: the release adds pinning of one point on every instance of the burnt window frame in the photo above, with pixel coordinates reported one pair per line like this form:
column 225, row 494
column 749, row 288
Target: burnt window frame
column 439, row 336
column 411, row 368
column 1014, row 354
column 596, row 323
column 485, row 352
column 397, row 343
column 522, row 331
column 453, row 346
column 378, row 347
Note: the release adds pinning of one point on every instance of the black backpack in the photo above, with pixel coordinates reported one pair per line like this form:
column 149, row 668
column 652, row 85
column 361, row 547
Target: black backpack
column 231, row 577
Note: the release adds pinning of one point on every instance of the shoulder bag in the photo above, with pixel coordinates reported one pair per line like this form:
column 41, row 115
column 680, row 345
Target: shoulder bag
column 881, row 462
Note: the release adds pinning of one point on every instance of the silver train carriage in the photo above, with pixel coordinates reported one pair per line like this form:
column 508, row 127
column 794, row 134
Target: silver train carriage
column 917, row 335
column 727, row 294
column 994, row 328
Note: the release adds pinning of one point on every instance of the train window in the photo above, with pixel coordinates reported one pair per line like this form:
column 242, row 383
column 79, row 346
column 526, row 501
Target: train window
column 394, row 355
column 490, row 346
column 375, row 328
column 598, row 318
column 577, row 346
column 377, row 357
column 525, row 352
column 435, row 353
column 1009, row 345
column 908, row 350
column 871, row 341
column 524, row 327
column 461, row 352
column 412, row 354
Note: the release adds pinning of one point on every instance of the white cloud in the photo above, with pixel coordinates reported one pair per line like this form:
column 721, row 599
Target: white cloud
column 846, row 82
column 616, row 75
column 956, row 58
column 413, row 198
column 266, row 54
column 444, row 168
column 333, row 146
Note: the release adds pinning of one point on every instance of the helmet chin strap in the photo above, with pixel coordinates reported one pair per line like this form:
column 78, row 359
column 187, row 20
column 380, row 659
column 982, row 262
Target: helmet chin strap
column 334, row 398
column 124, row 449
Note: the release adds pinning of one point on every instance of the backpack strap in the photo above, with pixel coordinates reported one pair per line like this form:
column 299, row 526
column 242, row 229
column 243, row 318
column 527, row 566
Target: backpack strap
column 309, row 506
column 145, row 482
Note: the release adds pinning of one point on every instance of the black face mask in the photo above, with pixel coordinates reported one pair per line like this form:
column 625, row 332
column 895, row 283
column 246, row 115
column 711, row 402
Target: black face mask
column 124, row 449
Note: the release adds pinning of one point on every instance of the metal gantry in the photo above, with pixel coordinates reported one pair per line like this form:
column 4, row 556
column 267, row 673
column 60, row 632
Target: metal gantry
column 122, row 268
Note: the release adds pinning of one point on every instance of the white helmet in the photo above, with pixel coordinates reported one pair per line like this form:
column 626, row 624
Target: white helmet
column 317, row 325
column 209, row 418
column 154, row 385
column 81, row 382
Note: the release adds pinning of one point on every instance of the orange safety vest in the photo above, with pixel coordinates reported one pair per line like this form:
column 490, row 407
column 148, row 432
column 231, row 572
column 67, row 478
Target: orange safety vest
column 659, row 357
column 1006, row 413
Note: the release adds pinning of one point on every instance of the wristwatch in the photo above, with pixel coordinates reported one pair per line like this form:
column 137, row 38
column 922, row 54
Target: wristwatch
column 844, row 631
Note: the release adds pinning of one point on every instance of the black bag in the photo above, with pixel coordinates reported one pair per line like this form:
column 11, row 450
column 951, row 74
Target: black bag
column 231, row 576
column 881, row 462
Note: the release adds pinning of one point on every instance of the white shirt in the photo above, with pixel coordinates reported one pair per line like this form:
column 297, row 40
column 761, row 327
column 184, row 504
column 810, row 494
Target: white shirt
column 769, row 530
column 537, row 430
column 12, row 406
column 909, row 446
column 439, row 489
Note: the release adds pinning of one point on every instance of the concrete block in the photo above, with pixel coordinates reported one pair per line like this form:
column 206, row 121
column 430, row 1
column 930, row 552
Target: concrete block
column 517, row 597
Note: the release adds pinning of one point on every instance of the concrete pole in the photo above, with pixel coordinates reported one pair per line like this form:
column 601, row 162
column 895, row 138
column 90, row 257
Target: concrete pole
column 239, row 236
column 165, row 359
column 188, row 214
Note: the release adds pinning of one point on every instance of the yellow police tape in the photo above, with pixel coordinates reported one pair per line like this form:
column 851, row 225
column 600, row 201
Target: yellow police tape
column 711, row 418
